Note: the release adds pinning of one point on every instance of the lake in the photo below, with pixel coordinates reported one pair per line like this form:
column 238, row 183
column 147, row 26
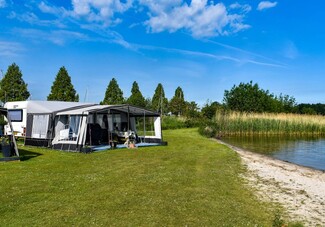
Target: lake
column 302, row 151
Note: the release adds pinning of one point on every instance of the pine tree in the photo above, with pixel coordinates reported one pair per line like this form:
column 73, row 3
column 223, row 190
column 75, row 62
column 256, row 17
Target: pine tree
column 159, row 101
column 12, row 85
column 113, row 94
column 177, row 104
column 136, row 97
column 62, row 88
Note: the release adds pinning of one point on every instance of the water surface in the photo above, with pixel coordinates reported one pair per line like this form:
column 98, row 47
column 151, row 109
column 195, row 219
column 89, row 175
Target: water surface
column 302, row 151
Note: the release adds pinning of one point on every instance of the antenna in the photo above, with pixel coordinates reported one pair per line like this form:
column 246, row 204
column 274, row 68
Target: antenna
column 86, row 94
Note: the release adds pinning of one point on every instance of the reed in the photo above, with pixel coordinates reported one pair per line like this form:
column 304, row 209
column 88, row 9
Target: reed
column 238, row 123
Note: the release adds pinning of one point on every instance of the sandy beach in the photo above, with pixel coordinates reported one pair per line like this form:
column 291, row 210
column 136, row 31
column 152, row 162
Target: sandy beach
column 300, row 190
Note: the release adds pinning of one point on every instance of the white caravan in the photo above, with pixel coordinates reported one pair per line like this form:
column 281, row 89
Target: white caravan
column 20, row 110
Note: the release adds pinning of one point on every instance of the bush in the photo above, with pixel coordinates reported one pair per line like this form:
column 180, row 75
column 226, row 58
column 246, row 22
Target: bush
column 172, row 122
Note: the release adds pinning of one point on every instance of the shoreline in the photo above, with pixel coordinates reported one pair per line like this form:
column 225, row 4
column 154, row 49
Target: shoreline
column 299, row 189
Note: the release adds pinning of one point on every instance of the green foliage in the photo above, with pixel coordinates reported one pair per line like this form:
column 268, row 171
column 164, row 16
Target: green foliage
column 277, row 221
column 177, row 104
column 305, row 108
column 62, row 88
column 12, row 85
column 113, row 94
column 136, row 97
column 193, row 181
column 247, row 98
column 209, row 109
column 159, row 101
column 173, row 122
column 192, row 110
column 250, row 98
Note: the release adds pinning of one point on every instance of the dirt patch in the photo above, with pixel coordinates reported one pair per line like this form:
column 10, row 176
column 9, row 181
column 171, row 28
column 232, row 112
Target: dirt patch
column 300, row 190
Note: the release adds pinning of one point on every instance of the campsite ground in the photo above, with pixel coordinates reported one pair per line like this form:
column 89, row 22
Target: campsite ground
column 299, row 189
column 192, row 181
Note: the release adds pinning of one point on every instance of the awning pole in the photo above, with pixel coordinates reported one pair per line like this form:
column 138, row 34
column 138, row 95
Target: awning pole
column 128, row 118
column 144, row 124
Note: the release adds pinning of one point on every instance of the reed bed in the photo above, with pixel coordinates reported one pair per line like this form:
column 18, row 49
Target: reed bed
column 237, row 123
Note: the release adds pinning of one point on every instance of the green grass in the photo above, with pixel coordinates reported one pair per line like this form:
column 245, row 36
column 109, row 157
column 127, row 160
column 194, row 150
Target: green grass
column 193, row 181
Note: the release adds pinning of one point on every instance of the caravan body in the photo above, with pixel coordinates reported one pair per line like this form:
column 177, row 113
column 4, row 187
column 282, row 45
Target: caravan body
column 18, row 115
column 33, row 119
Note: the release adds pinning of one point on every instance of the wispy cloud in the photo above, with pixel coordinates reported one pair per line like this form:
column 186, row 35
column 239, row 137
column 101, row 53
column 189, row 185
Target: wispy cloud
column 239, row 61
column 3, row 3
column 266, row 5
column 290, row 50
column 10, row 49
column 249, row 53
column 58, row 37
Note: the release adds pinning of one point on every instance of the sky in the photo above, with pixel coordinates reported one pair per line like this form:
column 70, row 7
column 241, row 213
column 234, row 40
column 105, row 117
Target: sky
column 205, row 47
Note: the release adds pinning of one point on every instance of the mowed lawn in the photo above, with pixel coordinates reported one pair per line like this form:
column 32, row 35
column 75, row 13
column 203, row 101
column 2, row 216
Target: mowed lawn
column 191, row 182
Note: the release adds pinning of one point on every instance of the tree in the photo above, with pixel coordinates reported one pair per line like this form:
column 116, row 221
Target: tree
column 250, row 98
column 159, row 101
column 62, row 88
column 210, row 108
column 113, row 94
column 12, row 85
column 177, row 104
column 192, row 110
column 136, row 97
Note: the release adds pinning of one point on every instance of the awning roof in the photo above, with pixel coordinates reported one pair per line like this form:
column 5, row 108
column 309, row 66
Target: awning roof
column 132, row 110
column 46, row 107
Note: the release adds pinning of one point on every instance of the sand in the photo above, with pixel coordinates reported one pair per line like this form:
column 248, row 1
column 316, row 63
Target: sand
column 300, row 190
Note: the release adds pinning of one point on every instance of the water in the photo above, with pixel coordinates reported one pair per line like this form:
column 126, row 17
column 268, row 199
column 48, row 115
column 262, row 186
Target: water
column 302, row 151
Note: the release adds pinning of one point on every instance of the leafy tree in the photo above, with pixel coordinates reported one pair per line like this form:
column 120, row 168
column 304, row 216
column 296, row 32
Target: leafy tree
column 159, row 101
column 246, row 97
column 113, row 95
column 210, row 108
column 62, row 88
column 136, row 97
column 192, row 110
column 177, row 104
column 250, row 98
column 148, row 102
column 287, row 103
column 305, row 108
column 12, row 85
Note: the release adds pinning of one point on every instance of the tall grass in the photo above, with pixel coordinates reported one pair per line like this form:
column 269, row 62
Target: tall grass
column 238, row 123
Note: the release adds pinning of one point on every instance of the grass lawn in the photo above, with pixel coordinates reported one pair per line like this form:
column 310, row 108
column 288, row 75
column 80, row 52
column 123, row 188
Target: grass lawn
column 193, row 181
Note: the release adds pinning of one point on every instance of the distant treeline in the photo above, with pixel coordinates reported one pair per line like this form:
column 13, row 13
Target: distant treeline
column 312, row 109
column 245, row 97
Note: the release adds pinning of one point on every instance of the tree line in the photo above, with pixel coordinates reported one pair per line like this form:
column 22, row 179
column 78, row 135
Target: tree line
column 13, row 88
column 245, row 97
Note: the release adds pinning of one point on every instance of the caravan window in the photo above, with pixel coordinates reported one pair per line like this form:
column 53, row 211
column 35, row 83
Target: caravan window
column 16, row 115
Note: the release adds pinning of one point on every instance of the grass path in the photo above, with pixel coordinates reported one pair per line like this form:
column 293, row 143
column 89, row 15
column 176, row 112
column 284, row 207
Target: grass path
column 193, row 181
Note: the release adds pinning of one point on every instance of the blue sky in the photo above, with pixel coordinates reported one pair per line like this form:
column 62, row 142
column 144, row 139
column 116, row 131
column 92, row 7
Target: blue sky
column 205, row 47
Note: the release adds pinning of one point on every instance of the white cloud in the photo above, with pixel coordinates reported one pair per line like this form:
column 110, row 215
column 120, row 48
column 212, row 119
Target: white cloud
column 3, row 3
column 201, row 18
column 100, row 10
column 266, row 5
